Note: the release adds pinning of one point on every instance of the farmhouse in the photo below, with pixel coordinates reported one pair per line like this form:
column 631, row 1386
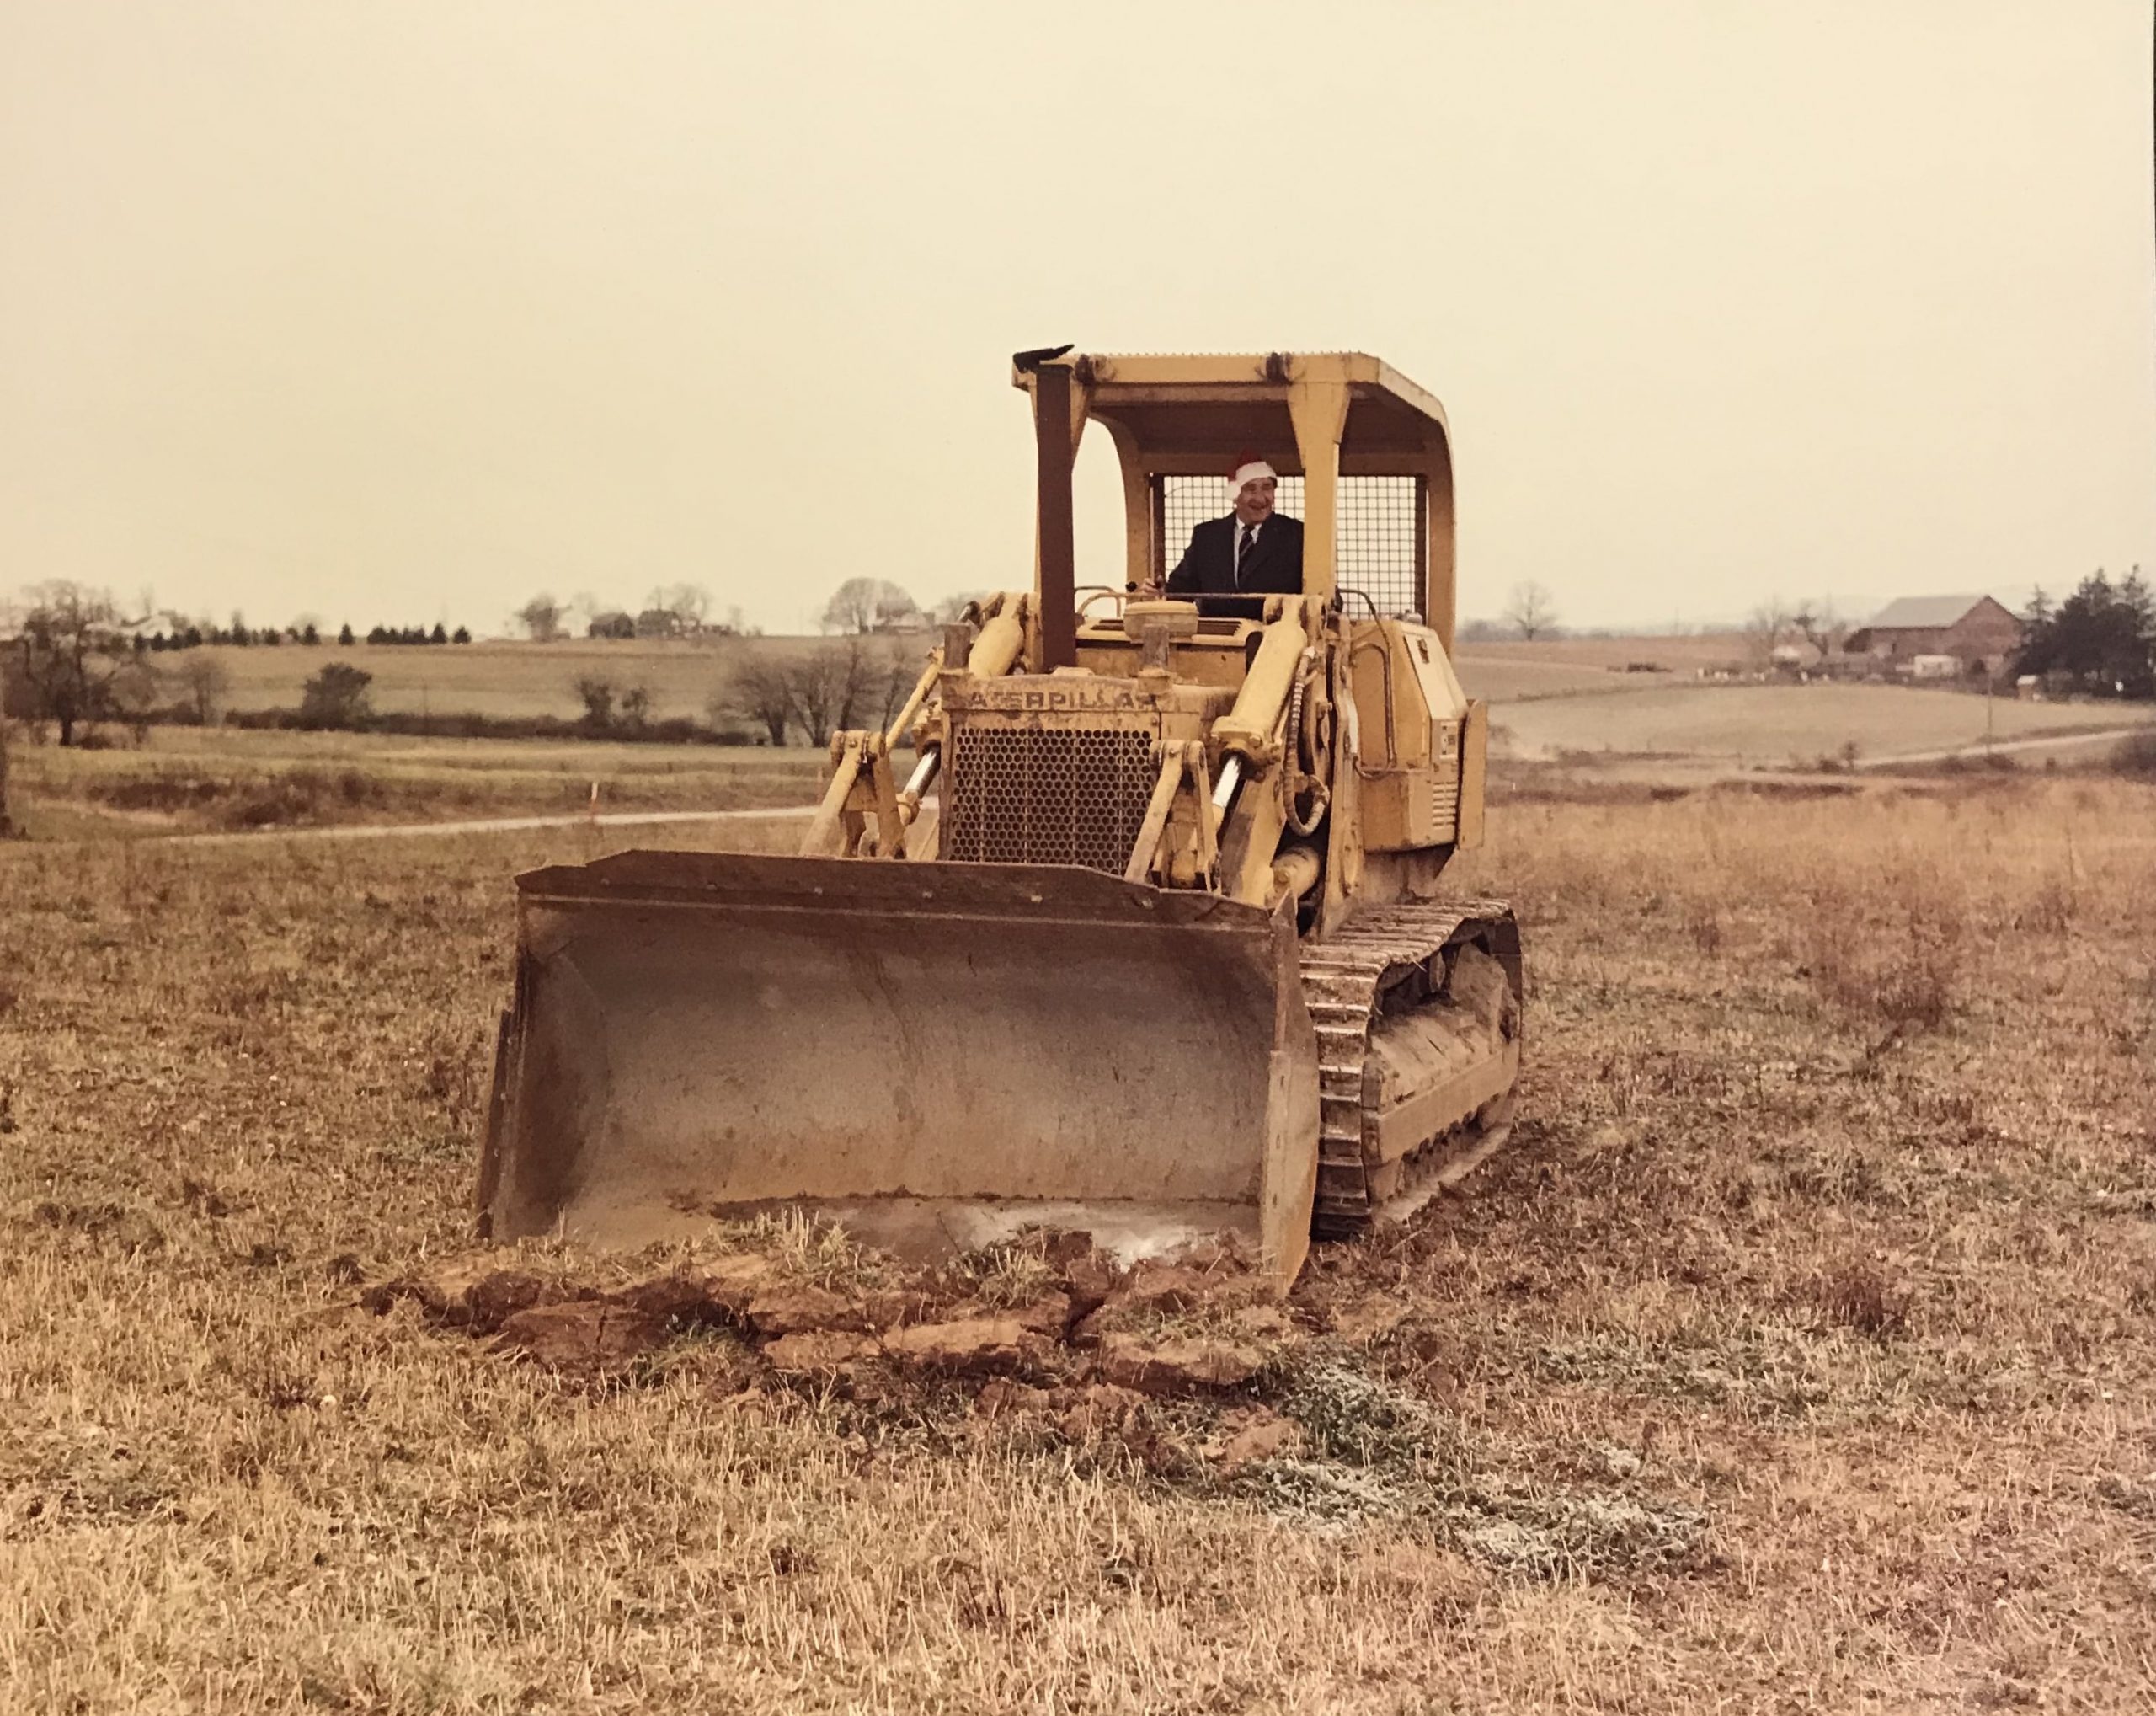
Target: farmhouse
column 1976, row 630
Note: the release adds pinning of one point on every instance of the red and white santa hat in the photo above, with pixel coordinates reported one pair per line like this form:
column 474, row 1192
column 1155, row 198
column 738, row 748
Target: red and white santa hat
column 1249, row 467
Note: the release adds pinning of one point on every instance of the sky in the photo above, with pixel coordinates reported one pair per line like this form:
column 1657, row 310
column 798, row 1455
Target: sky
column 407, row 310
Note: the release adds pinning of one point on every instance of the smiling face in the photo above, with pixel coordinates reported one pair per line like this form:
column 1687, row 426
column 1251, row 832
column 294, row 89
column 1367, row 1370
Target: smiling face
column 1254, row 500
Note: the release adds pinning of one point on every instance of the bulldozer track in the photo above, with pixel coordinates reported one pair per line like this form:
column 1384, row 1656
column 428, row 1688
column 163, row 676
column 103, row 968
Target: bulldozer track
column 1346, row 979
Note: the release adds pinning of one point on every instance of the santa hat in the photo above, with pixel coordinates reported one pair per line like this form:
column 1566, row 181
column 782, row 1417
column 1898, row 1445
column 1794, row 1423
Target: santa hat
column 1248, row 468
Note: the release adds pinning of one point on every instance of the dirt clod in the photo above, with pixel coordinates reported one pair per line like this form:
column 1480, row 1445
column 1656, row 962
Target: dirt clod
column 820, row 1352
column 779, row 1311
column 972, row 1346
column 1192, row 1365
column 582, row 1335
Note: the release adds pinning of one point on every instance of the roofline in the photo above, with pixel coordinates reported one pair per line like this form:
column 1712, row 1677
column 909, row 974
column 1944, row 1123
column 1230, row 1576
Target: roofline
column 1102, row 374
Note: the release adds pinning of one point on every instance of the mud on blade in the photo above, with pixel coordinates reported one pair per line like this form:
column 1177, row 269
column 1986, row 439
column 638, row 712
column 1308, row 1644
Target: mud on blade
column 938, row 1054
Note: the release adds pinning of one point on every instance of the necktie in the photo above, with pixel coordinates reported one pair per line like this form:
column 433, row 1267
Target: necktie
column 1243, row 551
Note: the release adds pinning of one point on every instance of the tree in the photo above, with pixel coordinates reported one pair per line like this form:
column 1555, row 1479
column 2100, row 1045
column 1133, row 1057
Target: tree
column 861, row 606
column 952, row 608
column 757, row 692
column 689, row 603
column 345, row 635
column 833, row 686
column 310, row 634
column 462, row 635
column 440, row 634
column 542, row 618
column 636, row 708
column 596, row 692
column 75, row 663
column 1531, row 609
column 337, row 697
column 2101, row 638
column 1764, row 629
column 1819, row 625
column 205, row 681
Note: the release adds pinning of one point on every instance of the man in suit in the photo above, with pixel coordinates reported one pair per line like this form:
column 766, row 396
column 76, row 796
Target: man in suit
column 1233, row 563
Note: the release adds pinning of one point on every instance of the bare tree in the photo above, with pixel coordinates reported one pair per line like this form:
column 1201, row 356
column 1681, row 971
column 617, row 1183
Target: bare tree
column 542, row 617
column 1765, row 629
column 1531, row 609
column 901, row 673
column 835, row 686
column 689, row 604
column 1820, row 626
column 861, row 606
column 205, row 681
column 757, row 692
column 76, row 665
column 950, row 609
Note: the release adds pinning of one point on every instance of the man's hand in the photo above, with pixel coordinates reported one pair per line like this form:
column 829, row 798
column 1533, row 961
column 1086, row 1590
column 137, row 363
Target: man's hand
column 1149, row 590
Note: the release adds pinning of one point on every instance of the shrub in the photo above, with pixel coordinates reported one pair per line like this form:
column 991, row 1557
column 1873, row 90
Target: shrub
column 337, row 697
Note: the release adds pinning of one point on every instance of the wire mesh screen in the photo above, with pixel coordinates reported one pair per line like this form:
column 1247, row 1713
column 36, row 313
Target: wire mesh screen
column 1379, row 548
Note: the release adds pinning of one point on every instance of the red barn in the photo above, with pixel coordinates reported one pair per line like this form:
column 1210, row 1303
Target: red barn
column 1981, row 632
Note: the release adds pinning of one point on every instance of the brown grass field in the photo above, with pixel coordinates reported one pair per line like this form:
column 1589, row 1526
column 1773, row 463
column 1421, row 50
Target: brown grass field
column 508, row 679
column 1800, row 1354
column 192, row 780
column 1778, row 724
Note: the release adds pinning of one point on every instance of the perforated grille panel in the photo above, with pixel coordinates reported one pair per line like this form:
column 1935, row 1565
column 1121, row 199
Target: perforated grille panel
column 1024, row 795
column 1377, row 547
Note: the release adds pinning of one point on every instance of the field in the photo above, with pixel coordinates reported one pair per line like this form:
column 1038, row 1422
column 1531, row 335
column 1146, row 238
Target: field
column 189, row 780
column 1800, row 1354
column 1780, row 724
column 519, row 679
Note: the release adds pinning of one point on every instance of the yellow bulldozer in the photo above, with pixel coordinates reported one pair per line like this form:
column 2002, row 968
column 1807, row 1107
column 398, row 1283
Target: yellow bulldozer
column 1145, row 940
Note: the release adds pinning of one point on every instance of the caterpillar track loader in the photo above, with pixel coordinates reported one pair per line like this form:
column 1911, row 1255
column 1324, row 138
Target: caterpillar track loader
column 1145, row 939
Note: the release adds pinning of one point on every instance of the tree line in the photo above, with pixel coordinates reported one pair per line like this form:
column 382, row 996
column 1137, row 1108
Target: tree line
column 860, row 607
column 2100, row 640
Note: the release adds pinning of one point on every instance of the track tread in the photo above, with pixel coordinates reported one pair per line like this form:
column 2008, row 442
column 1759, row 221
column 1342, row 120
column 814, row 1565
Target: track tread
column 1345, row 977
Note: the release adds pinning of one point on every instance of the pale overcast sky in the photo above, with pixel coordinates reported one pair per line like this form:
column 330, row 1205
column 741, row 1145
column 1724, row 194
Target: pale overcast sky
column 401, row 309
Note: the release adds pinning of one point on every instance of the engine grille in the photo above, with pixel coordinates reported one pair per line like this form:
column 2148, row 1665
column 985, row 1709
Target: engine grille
column 1034, row 795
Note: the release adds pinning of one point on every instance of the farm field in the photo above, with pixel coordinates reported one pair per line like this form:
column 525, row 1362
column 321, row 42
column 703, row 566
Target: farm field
column 508, row 679
column 1800, row 1353
column 192, row 780
column 1775, row 725
column 523, row 680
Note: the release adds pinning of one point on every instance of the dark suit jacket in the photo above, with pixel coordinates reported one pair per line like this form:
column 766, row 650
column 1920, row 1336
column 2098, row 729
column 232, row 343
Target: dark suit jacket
column 1208, row 566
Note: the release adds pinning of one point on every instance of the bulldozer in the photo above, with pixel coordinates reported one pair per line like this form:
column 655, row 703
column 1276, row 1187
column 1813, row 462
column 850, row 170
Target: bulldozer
column 1128, row 924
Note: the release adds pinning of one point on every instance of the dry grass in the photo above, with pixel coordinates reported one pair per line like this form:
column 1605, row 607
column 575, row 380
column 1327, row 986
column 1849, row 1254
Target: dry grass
column 1777, row 724
column 504, row 680
column 186, row 779
column 520, row 680
column 1802, row 1353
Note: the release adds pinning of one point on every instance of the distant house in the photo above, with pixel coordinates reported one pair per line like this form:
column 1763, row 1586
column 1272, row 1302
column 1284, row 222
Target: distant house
column 1976, row 631
column 659, row 623
column 610, row 625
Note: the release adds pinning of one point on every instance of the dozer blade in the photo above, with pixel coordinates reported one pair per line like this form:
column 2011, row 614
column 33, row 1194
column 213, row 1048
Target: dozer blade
column 935, row 1055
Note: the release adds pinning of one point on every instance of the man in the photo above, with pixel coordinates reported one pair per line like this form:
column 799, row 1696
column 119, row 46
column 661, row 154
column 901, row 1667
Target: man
column 1254, row 552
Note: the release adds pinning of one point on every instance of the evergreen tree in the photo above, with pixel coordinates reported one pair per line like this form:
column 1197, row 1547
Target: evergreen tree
column 344, row 636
